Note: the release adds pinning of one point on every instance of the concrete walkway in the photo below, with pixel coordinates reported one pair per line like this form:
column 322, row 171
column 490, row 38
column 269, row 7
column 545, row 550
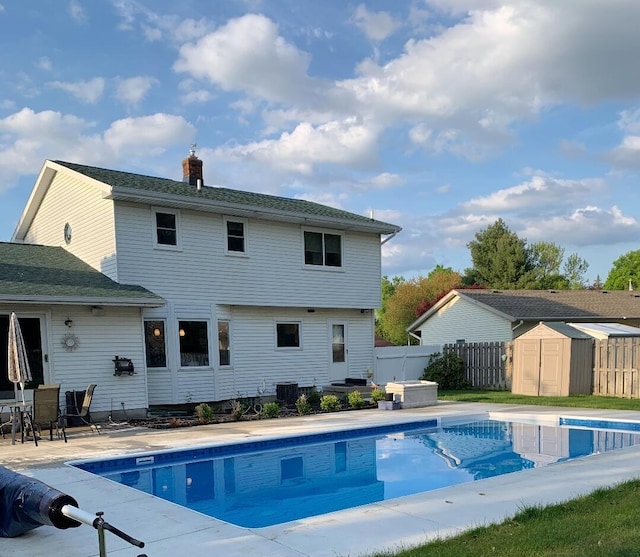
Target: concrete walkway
column 169, row 530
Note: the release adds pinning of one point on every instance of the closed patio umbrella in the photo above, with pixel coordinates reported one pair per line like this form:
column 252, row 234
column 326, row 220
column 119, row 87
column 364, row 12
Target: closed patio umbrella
column 19, row 371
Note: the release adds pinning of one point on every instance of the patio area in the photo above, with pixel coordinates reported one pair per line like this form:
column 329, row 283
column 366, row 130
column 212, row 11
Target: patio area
column 168, row 530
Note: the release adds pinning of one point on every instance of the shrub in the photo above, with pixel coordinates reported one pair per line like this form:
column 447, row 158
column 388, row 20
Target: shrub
column 204, row 412
column 377, row 394
column 237, row 410
column 313, row 398
column 330, row 403
column 447, row 371
column 271, row 410
column 355, row 399
column 302, row 405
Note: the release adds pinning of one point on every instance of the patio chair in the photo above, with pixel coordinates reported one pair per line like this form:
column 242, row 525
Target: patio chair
column 46, row 410
column 83, row 414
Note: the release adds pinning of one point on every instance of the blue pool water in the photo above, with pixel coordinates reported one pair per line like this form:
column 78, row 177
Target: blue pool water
column 261, row 483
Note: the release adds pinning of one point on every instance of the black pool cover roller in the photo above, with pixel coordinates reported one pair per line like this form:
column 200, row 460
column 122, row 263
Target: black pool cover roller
column 27, row 503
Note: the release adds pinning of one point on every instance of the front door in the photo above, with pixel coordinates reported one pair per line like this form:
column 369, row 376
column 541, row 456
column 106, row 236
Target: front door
column 338, row 367
column 31, row 328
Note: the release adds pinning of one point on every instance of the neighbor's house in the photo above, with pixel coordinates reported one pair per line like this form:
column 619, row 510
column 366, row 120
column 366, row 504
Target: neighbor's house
column 476, row 315
column 212, row 293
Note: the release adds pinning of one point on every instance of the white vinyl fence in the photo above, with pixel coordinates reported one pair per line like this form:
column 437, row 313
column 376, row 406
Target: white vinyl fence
column 401, row 363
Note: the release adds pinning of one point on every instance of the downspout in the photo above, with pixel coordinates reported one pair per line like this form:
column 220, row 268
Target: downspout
column 518, row 325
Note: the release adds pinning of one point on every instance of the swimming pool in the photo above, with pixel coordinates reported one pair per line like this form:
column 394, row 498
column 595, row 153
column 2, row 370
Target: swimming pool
column 272, row 481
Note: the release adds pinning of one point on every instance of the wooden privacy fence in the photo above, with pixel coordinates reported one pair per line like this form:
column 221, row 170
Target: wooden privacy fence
column 487, row 364
column 615, row 367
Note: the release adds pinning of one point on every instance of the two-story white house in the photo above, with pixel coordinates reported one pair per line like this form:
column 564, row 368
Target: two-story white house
column 235, row 292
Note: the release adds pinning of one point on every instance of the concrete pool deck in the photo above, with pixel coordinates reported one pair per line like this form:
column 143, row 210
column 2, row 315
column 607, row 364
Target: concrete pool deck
column 170, row 530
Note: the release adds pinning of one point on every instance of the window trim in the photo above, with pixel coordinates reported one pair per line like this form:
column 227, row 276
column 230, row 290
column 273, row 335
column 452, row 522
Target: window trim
column 154, row 222
column 323, row 266
column 245, row 229
column 296, row 322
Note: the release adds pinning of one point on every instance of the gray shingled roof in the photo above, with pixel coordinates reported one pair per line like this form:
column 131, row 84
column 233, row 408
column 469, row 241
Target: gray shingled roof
column 50, row 274
column 560, row 305
column 226, row 196
column 567, row 330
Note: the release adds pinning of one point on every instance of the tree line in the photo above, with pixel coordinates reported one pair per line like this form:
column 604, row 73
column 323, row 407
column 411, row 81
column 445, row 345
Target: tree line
column 501, row 260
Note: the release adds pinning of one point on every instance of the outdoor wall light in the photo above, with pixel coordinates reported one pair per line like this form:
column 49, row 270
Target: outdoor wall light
column 68, row 322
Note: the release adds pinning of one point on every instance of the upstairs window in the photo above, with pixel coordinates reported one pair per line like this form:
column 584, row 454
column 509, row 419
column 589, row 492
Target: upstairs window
column 236, row 236
column 323, row 249
column 166, row 228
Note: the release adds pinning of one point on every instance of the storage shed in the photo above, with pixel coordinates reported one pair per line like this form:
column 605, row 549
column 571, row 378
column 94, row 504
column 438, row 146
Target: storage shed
column 552, row 359
column 604, row 331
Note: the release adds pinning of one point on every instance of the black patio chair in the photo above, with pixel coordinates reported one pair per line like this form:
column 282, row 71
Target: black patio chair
column 84, row 413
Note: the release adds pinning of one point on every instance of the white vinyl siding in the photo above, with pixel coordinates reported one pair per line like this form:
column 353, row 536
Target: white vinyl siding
column 116, row 332
column 91, row 218
column 463, row 320
column 274, row 274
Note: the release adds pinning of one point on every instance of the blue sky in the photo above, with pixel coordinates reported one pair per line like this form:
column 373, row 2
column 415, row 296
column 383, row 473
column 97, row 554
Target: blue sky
column 440, row 116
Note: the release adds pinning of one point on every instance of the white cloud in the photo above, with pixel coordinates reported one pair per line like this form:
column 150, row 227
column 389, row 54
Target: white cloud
column 44, row 63
column 133, row 89
column 29, row 137
column 76, row 11
column 541, row 192
column 247, row 54
column 375, row 25
column 347, row 142
column 88, row 92
column 325, row 198
column 386, row 180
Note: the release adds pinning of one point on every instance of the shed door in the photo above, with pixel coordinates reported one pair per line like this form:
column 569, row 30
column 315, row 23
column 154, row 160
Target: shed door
column 551, row 367
column 530, row 362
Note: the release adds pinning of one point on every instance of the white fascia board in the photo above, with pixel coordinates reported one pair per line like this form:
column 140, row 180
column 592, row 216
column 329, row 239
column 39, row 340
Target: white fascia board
column 90, row 301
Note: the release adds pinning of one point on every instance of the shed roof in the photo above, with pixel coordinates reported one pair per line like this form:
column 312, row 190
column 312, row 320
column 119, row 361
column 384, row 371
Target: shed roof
column 607, row 329
column 46, row 274
column 564, row 329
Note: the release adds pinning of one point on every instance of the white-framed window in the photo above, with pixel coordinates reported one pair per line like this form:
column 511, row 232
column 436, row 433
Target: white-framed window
column 155, row 343
column 166, row 228
column 224, row 342
column 193, row 338
column 235, row 230
column 288, row 334
column 323, row 249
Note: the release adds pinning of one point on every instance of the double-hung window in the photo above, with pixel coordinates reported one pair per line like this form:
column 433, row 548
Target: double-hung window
column 322, row 249
column 236, row 234
column 167, row 228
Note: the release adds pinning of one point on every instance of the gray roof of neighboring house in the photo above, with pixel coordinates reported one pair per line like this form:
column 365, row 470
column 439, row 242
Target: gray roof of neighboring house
column 548, row 305
column 559, row 305
column 47, row 274
column 265, row 204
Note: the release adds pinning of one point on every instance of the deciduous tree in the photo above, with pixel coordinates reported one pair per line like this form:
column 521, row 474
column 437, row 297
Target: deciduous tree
column 625, row 272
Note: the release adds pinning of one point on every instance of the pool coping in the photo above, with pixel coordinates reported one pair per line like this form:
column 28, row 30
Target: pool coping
column 168, row 529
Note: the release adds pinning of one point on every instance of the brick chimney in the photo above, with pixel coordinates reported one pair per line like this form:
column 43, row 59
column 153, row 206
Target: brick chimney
column 192, row 169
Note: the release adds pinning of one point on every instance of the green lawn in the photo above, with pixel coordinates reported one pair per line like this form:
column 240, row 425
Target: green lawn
column 574, row 401
column 602, row 524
